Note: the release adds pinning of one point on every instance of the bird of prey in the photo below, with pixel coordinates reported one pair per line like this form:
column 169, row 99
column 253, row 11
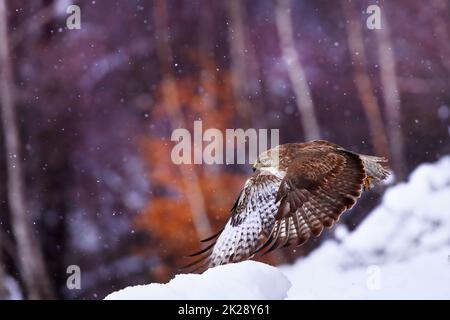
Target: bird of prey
column 296, row 191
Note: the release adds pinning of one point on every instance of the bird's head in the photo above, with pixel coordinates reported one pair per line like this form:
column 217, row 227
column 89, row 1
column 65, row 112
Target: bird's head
column 267, row 159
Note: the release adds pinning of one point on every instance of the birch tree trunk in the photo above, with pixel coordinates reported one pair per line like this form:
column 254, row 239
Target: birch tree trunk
column 391, row 96
column 236, row 36
column 362, row 80
column 171, row 101
column 206, row 48
column 441, row 32
column 30, row 259
column 4, row 293
column 295, row 70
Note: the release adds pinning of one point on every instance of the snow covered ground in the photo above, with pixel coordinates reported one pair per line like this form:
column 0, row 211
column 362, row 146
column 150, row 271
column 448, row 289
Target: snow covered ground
column 401, row 251
column 245, row 280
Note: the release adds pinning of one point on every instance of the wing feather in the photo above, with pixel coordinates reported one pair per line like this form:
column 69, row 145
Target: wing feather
column 252, row 218
column 318, row 187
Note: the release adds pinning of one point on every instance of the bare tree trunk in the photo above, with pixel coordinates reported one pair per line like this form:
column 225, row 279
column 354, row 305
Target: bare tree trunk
column 239, row 61
column 208, row 78
column 363, row 82
column 295, row 70
column 206, row 47
column 31, row 262
column 440, row 30
column 391, row 96
column 4, row 293
column 172, row 104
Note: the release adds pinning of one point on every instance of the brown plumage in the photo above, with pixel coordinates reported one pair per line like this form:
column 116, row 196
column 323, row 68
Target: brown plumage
column 297, row 190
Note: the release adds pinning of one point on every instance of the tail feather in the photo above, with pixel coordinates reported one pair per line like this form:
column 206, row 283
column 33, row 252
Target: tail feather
column 236, row 243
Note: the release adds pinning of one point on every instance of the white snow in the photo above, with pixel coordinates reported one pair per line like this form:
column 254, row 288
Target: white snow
column 13, row 289
column 401, row 251
column 241, row 281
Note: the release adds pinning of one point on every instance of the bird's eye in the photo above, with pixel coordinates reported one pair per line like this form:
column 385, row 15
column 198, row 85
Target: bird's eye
column 254, row 169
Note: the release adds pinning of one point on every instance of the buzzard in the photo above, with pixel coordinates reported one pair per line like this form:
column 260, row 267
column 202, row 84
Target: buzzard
column 296, row 191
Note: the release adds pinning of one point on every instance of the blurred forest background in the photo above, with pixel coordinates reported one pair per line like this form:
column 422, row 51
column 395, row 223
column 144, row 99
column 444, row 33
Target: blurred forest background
column 85, row 172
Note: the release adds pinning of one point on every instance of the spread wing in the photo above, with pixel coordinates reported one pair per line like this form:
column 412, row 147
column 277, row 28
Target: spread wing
column 319, row 182
column 252, row 218
column 318, row 187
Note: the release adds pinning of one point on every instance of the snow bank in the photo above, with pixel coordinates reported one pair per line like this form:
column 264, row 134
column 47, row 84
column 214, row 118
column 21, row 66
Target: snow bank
column 242, row 281
column 401, row 251
column 13, row 289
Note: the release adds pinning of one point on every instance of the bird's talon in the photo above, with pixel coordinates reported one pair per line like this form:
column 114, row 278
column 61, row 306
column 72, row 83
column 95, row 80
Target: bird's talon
column 367, row 182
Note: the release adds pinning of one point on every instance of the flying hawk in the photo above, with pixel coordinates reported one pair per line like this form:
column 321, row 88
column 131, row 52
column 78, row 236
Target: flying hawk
column 296, row 190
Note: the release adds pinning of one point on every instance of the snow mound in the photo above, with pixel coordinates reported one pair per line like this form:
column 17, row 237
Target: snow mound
column 12, row 289
column 242, row 281
column 401, row 251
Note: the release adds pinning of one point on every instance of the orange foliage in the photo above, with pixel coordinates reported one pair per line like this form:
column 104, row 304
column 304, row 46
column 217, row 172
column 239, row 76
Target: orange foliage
column 167, row 217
